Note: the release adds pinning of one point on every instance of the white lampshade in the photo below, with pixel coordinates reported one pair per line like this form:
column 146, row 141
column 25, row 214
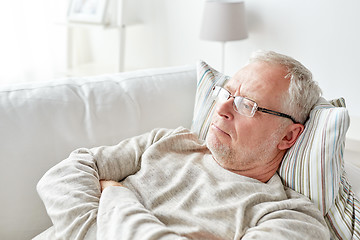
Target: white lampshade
column 223, row 21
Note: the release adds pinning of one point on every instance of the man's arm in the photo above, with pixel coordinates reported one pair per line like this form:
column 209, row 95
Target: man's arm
column 300, row 219
column 71, row 189
column 70, row 192
column 121, row 214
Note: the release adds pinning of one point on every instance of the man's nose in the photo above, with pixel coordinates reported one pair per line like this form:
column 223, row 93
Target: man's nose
column 225, row 108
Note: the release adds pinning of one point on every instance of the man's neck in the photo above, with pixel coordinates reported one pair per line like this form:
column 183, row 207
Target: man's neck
column 263, row 172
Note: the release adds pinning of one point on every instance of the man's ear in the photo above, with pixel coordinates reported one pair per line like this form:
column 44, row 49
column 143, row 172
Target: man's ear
column 293, row 131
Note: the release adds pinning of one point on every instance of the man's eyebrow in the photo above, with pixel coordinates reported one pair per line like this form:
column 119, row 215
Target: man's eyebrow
column 231, row 90
column 227, row 87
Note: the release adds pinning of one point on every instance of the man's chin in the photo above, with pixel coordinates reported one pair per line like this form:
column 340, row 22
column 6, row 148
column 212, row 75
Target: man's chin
column 217, row 149
column 211, row 139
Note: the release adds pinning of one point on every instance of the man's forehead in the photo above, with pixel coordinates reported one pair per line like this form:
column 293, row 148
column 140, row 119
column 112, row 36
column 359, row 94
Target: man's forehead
column 258, row 80
column 272, row 74
column 243, row 80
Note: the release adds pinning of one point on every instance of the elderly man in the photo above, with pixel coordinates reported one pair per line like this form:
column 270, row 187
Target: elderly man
column 174, row 186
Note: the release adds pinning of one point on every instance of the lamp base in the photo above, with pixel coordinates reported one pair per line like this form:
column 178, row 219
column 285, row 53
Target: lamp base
column 223, row 56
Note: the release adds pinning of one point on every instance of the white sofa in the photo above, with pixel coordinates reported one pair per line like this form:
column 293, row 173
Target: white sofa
column 41, row 123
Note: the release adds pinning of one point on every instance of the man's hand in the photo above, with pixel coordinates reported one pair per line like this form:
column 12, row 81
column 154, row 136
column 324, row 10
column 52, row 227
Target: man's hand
column 107, row 183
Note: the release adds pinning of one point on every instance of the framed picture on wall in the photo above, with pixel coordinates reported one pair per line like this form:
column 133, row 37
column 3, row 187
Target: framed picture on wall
column 90, row 11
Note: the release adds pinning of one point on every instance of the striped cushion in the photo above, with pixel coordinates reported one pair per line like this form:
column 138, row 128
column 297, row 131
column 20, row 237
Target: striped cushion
column 314, row 167
column 343, row 217
column 207, row 78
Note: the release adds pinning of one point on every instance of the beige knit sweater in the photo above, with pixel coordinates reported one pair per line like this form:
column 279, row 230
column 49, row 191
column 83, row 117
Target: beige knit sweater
column 174, row 190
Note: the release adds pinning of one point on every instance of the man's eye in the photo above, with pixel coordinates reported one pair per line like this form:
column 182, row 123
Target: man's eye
column 247, row 106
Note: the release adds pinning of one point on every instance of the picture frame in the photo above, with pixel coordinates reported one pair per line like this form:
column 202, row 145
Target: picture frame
column 87, row 11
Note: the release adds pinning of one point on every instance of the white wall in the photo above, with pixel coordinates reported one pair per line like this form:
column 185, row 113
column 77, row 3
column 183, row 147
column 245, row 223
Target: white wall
column 324, row 35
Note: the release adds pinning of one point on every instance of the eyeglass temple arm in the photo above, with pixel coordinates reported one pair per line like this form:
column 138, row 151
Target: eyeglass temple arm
column 265, row 110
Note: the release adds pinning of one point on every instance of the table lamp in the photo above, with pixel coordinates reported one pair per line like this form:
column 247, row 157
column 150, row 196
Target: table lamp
column 223, row 21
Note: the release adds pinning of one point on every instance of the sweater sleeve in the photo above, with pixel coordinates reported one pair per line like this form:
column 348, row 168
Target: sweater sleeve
column 71, row 190
column 121, row 214
column 297, row 218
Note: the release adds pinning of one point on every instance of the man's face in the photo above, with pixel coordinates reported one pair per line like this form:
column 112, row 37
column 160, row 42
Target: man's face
column 241, row 143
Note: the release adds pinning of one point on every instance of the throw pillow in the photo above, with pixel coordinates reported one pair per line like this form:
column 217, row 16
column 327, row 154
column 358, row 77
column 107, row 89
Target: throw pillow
column 313, row 166
column 207, row 78
column 343, row 218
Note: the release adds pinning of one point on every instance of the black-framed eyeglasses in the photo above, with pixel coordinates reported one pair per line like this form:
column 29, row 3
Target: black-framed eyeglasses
column 245, row 106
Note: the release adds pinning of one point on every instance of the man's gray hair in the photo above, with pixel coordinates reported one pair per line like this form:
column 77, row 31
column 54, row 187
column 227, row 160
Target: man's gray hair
column 303, row 90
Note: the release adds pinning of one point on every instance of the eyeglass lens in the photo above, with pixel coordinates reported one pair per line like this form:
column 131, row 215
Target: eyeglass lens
column 241, row 105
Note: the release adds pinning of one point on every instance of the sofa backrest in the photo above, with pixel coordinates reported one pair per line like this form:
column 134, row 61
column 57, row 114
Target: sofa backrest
column 41, row 123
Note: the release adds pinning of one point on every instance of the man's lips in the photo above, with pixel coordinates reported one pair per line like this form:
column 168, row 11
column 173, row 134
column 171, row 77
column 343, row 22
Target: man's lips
column 219, row 129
